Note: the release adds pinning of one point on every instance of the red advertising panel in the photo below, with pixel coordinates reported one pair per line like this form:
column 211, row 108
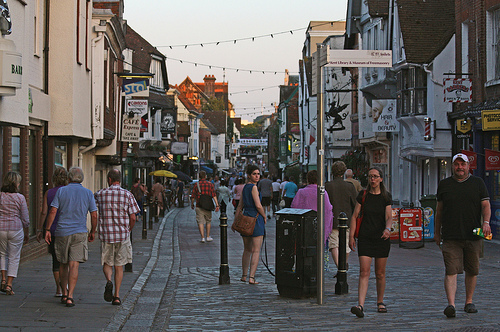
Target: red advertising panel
column 410, row 225
column 492, row 159
column 472, row 158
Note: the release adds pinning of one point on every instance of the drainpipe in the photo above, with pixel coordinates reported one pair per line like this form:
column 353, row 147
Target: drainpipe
column 93, row 119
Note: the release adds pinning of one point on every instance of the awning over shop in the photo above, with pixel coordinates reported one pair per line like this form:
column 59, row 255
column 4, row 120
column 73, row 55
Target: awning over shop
column 475, row 111
column 207, row 169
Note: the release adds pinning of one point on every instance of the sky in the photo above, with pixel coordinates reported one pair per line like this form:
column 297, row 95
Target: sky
column 166, row 23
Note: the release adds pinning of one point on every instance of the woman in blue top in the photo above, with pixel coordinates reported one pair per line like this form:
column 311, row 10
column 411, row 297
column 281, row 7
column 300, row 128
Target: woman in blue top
column 250, row 202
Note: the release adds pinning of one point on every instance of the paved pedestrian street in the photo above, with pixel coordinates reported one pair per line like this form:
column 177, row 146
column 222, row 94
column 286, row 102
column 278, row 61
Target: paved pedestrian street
column 174, row 286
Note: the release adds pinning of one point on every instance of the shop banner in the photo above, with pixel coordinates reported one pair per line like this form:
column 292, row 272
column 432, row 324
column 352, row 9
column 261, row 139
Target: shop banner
column 490, row 120
column 492, row 159
column 168, row 122
column 135, row 87
column 384, row 115
column 472, row 158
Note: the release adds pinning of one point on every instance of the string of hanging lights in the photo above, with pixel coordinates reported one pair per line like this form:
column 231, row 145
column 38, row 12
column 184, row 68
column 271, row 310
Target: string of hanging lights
column 235, row 40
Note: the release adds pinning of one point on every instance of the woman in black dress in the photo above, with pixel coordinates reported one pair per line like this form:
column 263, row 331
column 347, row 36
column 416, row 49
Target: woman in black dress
column 374, row 237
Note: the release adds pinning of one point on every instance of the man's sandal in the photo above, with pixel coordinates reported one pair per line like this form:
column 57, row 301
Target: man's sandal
column 358, row 311
column 64, row 298
column 381, row 307
column 2, row 286
column 116, row 301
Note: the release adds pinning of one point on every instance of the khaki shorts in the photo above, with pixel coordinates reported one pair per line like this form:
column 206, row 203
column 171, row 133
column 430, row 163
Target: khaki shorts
column 203, row 216
column 461, row 256
column 71, row 248
column 116, row 254
column 333, row 240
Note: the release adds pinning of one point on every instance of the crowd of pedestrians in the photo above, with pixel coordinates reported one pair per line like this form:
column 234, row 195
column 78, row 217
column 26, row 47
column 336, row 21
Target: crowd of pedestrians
column 462, row 205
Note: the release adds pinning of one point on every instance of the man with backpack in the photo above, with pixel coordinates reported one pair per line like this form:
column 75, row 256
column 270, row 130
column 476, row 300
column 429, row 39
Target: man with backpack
column 203, row 193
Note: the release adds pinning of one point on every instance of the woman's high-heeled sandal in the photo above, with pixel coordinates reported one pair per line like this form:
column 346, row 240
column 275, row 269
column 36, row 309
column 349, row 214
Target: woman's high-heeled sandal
column 252, row 283
column 8, row 290
column 243, row 278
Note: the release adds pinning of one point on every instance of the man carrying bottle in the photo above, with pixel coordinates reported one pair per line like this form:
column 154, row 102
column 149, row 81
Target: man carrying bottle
column 462, row 200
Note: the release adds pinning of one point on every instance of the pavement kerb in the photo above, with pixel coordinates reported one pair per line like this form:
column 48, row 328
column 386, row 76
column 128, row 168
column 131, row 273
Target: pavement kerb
column 121, row 315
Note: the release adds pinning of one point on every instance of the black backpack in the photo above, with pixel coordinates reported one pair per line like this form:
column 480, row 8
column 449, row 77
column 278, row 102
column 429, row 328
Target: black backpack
column 206, row 201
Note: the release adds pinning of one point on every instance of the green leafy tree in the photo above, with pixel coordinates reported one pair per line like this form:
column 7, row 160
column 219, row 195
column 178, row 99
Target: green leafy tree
column 213, row 104
column 251, row 130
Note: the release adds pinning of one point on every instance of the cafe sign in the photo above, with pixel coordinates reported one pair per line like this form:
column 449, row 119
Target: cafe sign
column 490, row 120
column 131, row 128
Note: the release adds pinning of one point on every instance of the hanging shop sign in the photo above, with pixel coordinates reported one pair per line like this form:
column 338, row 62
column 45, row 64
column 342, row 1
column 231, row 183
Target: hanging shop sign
column 384, row 116
column 136, row 87
column 463, row 129
column 168, row 122
column 472, row 158
column 457, row 90
column 180, row 148
column 490, row 119
column 131, row 128
column 137, row 106
column 11, row 69
column 492, row 160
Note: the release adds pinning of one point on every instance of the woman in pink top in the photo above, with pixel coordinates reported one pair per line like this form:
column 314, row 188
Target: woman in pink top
column 307, row 198
column 14, row 222
column 239, row 184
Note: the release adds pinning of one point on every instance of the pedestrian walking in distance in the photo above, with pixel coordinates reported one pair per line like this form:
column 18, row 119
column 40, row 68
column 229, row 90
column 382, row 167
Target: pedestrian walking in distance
column 250, row 204
column 343, row 199
column 14, row 223
column 463, row 204
column 59, row 180
column 374, row 237
column 73, row 202
column 203, row 217
column 265, row 187
column 117, row 216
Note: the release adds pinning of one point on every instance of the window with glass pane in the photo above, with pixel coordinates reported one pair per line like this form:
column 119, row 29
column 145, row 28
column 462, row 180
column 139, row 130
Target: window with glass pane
column 496, row 42
column 16, row 149
column 61, row 154
column 412, row 91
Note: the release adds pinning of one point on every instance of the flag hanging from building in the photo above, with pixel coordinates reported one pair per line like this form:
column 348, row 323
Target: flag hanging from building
column 472, row 158
column 492, row 160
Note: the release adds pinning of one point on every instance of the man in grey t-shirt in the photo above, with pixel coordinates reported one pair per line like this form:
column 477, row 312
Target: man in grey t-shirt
column 265, row 186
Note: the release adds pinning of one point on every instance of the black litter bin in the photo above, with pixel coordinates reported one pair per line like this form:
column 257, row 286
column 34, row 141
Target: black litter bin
column 296, row 231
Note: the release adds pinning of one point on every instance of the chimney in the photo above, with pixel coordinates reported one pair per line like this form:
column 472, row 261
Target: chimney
column 209, row 85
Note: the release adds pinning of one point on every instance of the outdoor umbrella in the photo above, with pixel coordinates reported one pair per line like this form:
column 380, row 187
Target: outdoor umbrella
column 165, row 173
column 182, row 176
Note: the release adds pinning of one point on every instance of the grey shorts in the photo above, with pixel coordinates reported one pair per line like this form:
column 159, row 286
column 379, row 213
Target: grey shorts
column 461, row 256
column 116, row 254
column 203, row 216
column 333, row 240
column 71, row 248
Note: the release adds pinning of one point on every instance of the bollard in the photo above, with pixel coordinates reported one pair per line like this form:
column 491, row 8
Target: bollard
column 144, row 218
column 224, row 265
column 341, row 287
column 152, row 209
